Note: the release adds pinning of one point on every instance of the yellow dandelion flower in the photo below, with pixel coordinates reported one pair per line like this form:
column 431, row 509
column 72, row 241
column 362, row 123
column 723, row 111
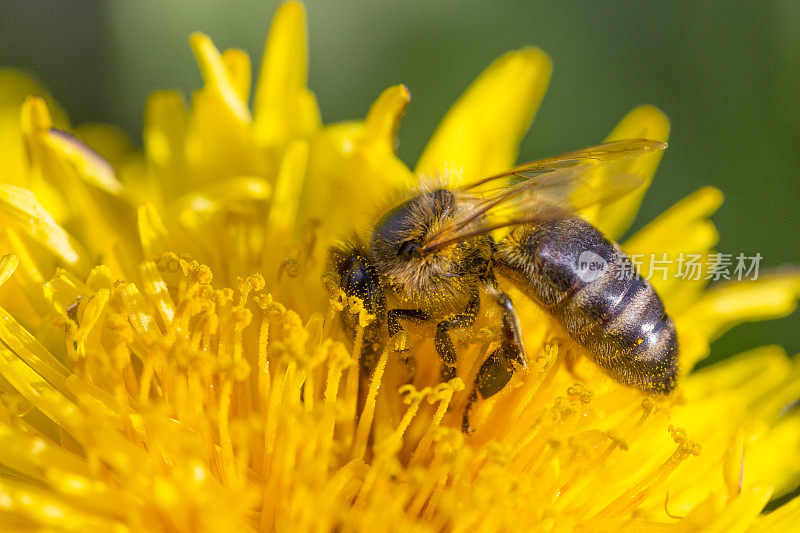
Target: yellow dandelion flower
column 169, row 357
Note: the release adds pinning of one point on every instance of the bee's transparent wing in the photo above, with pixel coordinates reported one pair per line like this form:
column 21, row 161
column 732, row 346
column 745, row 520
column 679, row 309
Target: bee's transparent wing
column 603, row 154
column 544, row 189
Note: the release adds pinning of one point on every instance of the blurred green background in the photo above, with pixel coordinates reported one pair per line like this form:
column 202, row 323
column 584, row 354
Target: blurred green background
column 726, row 73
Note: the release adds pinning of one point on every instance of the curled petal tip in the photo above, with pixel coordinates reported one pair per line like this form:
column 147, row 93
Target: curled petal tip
column 644, row 122
column 713, row 197
column 384, row 116
column 217, row 76
column 35, row 115
column 291, row 8
column 198, row 39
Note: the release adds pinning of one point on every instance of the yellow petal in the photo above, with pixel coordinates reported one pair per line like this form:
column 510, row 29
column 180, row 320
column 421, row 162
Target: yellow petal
column 284, row 108
column 237, row 64
column 740, row 513
column 766, row 466
column 86, row 161
column 288, row 187
column 93, row 312
column 25, row 212
column 219, row 141
column 681, row 232
column 216, row 196
column 31, row 351
column 21, row 295
column 26, row 263
column 13, row 164
column 61, row 169
column 784, row 518
column 732, row 464
column 139, row 314
column 373, row 167
column 644, row 122
column 356, row 160
column 110, row 142
column 670, row 231
column 480, row 134
column 15, row 88
column 164, row 126
column 216, row 76
column 99, row 278
column 8, row 264
column 728, row 304
column 152, row 232
column 63, row 290
column 164, row 135
column 384, row 116
column 31, row 504
column 55, row 400
column 35, row 116
column 55, row 403
column 44, row 175
column 748, row 375
column 157, row 291
column 34, row 456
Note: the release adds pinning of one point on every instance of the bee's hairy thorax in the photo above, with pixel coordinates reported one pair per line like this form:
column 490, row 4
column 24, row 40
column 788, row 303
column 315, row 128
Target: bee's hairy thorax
column 436, row 281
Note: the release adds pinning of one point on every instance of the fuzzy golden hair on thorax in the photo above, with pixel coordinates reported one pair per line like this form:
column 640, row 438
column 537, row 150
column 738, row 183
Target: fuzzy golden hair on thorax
column 417, row 277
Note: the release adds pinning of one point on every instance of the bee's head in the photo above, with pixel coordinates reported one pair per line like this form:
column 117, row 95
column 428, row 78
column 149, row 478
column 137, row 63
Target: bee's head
column 401, row 232
column 398, row 240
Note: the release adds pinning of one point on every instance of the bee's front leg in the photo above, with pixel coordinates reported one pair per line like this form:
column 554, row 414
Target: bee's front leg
column 497, row 369
column 393, row 320
column 443, row 343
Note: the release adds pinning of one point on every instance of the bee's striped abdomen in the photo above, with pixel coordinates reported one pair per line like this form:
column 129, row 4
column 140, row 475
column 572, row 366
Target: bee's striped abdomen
column 588, row 284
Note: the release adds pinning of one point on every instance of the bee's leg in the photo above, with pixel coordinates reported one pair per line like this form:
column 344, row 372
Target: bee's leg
column 571, row 358
column 394, row 316
column 443, row 343
column 497, row 369
column 393, row 320
column 511, row 341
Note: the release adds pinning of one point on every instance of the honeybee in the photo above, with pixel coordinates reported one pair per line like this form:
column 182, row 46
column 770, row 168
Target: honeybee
column 433, row 258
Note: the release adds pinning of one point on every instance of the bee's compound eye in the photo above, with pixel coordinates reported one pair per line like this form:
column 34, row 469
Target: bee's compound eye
column 408, row 250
